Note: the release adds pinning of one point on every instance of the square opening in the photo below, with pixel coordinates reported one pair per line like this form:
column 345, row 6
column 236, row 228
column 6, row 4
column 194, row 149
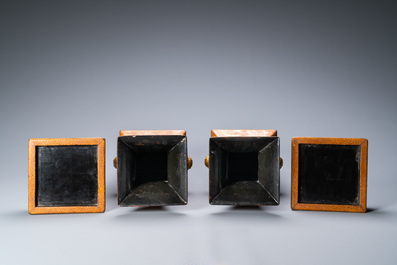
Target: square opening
column 150, row 167
column 329, row 174
column 66, row 176
column 242, row 167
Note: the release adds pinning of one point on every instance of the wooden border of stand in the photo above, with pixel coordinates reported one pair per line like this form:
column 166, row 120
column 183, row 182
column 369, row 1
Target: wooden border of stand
column 242, row 133
column 151, row 132
column 33, row 143
column 361, row 206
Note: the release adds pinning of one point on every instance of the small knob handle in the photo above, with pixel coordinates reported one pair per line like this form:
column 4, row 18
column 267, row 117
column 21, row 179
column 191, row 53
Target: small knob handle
column 189, row 162
column 207, row 161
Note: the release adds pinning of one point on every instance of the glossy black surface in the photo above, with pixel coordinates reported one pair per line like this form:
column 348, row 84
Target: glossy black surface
column 152, row 170
column 244, row 171
column 329, row 174
column 242, row 166
column 66, row 176
column 150, row 166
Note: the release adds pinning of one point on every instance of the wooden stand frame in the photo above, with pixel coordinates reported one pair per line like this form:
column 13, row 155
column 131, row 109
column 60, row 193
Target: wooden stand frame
column 243, row 133
column 35, row 209
column 361, row 205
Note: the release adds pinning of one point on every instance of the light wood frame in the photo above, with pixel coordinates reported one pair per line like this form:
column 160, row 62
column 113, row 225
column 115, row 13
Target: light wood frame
column 33, row 143
column 362, row 203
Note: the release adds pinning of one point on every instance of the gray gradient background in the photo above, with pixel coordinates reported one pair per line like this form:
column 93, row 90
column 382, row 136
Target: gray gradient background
column 74, row 69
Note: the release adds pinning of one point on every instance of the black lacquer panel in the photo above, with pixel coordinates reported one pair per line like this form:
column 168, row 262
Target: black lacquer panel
column 329, row 174
column 66, row 176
